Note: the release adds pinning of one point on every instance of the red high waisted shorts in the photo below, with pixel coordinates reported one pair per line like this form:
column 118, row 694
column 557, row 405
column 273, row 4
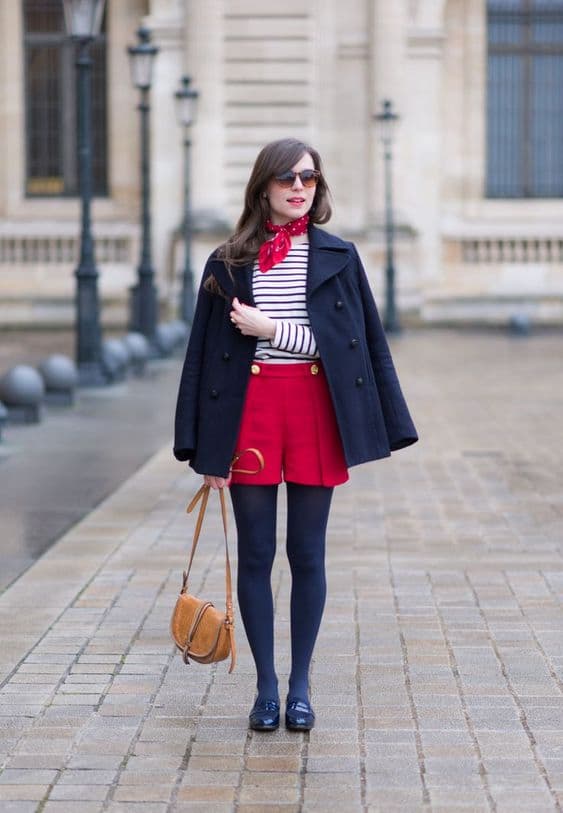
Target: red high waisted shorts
column 288, row 415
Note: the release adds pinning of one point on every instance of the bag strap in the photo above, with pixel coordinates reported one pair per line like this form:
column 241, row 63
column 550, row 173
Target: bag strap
column 259, row 457
column 203, row 495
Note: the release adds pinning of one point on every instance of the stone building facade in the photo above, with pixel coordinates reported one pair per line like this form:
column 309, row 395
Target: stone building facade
column 318, row 70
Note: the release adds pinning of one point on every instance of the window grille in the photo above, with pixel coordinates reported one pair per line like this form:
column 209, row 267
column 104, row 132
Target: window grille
column 525, row 99
column 51, row 102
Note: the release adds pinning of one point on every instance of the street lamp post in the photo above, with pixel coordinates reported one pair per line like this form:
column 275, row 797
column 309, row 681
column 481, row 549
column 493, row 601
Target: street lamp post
column 387, row 120
column 83, row 19
column 186, row 99
column 144, row 295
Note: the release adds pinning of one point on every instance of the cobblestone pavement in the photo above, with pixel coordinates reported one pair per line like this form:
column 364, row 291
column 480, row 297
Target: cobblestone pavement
column 438, row 674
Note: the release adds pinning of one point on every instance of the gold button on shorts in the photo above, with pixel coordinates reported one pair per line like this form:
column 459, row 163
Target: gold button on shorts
column 255, row 369
column 314, row 369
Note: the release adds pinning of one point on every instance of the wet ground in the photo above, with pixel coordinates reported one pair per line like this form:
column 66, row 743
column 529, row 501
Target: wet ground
column 55, row 472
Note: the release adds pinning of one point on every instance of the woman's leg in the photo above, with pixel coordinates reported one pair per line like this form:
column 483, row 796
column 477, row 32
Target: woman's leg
column 307, row 516
column 255, row 516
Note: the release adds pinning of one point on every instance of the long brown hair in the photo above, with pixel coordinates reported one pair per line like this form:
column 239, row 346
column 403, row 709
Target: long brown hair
column 273, row 159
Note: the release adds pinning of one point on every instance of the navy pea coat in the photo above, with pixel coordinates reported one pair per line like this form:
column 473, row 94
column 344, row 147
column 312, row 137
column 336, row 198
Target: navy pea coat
column 371, row 412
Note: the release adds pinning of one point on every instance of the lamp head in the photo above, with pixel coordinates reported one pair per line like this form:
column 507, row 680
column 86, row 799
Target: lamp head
column 83, row 18
column 186, row 102
column 387, row 120
column 141, row 58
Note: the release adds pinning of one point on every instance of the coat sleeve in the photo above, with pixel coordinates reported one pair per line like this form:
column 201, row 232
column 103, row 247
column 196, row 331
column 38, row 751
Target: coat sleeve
column 398, row 422
column 185, row 425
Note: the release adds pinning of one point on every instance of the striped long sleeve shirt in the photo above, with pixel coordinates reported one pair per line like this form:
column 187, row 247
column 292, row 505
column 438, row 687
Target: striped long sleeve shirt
column 281, row 294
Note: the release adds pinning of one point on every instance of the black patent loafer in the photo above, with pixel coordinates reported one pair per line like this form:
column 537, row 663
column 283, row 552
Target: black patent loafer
column 265, row 715
column 299, row 716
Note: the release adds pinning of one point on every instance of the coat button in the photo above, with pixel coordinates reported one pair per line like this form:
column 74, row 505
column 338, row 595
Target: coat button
column 214, row 394
column 354, row 343
column 359, row 381
column 226, row 356
column 339, row 304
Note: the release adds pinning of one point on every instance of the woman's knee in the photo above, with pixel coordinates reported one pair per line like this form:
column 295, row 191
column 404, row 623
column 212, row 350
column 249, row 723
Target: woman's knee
column 306, row 558
column 255, row 556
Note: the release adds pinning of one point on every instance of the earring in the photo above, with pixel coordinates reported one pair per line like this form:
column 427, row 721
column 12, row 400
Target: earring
column 265, row 196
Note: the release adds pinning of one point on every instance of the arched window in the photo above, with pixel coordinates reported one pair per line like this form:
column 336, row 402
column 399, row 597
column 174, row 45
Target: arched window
column 50, row 104
column 525, row 99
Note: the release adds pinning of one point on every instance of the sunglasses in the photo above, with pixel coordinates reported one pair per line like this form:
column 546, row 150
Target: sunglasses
column 308, row 177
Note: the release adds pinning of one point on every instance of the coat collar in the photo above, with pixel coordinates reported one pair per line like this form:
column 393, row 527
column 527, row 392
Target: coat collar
column 328, row 255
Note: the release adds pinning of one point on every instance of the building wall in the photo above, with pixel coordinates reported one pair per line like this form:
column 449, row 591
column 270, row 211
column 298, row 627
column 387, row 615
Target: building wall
column 39, row 237
column 318, row 71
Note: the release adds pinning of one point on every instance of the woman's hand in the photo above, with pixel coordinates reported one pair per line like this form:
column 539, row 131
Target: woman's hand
column 251, row 321
column 217, row 482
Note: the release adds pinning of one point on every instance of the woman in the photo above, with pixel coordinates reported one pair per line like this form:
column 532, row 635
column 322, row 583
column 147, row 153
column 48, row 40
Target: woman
column 287, row 355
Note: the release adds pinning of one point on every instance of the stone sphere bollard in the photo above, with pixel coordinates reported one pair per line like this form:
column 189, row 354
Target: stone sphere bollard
column 60, row 377
column 126, row 349
column 139, row 351
column 115, row 359
column 181, row 332
column 520, row 324
column 164, row 339
column 22, row 390
column 3, row 418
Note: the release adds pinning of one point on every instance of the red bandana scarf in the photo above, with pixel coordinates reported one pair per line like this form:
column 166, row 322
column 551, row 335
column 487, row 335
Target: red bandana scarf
column 275, row 250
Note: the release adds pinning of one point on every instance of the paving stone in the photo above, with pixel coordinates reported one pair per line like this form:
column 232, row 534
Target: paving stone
column 42, row 745
column 154, row 764
column 210, row 748
column 143, row 748
column 333, row 764
column 205, row 793
column 12, row 776
column 533, row 799
column 272, row 763
column 73, row 806
column 270, row 779
column 332, row 798
column 142, row 793
column 129, row 777
column 92, row 762
column 267, row 795
column 317, row 749
column 331, row 780
column 463, row 800
column 78, row 793
column 137, row 807
column 21, row 792
column 77, row 776
column 37, row 761
column 208, row 807
column 388, row 797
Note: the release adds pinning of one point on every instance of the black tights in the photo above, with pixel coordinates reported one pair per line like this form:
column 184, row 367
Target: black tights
column 307, row 516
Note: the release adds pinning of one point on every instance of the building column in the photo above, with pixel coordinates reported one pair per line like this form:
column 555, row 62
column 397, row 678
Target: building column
column 123, row 131
column 12, row 112
column 339, row 105
column 475, row 146
column 204, row 51
column 386, row 80
column 424, row 69
column 165, row 22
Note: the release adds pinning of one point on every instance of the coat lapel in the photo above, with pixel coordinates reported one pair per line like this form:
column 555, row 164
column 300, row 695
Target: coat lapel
column 328, row 255
column 239, row 284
